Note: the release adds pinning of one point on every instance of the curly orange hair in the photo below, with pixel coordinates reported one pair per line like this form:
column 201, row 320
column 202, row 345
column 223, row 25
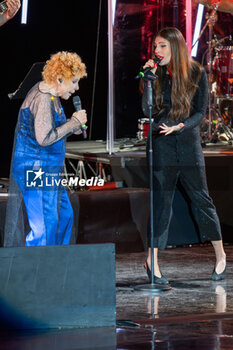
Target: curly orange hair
column 65, row 65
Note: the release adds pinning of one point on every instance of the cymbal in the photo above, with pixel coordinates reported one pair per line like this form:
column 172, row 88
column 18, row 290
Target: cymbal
column 223, row 5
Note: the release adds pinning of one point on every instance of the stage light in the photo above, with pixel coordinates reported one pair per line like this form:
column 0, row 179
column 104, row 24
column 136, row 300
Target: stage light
column 197, row 30
column 113, row 10
column 24, row 13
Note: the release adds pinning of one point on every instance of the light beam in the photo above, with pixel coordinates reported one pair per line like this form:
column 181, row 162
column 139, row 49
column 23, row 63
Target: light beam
column 197, row 30
column 24, row 13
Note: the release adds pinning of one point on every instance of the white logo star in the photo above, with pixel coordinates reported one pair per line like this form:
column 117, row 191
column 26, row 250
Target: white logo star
column 38, row 174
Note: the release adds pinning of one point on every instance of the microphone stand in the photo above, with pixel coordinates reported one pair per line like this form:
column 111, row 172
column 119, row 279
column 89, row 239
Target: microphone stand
column 152, row 288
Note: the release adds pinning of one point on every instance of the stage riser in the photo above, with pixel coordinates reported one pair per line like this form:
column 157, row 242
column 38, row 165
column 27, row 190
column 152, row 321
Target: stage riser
column 57, row 287
column 120, row 216
column 110, row 216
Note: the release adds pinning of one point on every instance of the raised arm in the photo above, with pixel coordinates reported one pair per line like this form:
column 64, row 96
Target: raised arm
column 45, row 131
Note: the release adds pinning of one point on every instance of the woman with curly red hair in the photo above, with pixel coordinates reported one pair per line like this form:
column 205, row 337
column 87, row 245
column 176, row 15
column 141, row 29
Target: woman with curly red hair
column 39, row 151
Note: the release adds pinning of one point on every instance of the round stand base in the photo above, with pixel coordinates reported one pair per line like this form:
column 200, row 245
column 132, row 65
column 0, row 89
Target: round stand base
column 152, row 288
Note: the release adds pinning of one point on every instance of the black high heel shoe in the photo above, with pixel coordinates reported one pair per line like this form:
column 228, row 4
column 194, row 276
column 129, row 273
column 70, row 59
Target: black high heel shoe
column 218, row 276
column 158, row 280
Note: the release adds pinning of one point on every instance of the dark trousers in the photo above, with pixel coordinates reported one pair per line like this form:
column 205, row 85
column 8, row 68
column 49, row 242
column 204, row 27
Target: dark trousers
column 193, row 180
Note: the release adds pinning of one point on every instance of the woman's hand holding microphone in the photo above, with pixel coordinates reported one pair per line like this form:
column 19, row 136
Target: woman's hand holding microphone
column 151, row 63
column 79, row 118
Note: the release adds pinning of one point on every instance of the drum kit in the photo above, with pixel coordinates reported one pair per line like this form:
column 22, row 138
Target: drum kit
column 218, row 122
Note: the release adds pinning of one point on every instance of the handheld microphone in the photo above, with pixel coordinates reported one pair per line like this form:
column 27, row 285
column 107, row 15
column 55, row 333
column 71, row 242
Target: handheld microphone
column 143, row 72
column 78, row 106
column 3, row 7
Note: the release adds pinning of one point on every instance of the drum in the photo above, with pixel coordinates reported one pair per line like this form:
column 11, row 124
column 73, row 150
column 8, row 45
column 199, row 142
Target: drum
column 143, row 127
column 223, row 67
column 226, row 109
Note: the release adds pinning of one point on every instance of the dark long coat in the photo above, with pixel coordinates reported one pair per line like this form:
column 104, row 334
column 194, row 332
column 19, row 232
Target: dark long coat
column 179, row 156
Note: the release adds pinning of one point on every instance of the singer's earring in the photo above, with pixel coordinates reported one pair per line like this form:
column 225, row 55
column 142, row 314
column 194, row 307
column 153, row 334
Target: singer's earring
column 60, row 80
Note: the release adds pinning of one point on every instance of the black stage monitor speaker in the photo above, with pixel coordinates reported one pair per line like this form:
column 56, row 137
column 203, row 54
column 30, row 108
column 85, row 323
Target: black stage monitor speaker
column 57, row 286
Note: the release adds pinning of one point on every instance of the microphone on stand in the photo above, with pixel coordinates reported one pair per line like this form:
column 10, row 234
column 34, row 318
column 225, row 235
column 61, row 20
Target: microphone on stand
column 78, row 106
column 143, row 72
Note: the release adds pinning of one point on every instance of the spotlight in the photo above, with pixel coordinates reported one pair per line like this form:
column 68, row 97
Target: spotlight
column 24, row 13
column 113, row 10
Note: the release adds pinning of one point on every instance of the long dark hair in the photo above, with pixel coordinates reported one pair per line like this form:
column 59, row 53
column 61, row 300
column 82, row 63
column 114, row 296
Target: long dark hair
column 185, row 75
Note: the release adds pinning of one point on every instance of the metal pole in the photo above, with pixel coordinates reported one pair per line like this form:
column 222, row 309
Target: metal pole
column 210, row 78
column 162, row 14
column 175, row 14
column 151, row 288
column 157, row 16
column 150, row 102
column 110, row 112
column 188, row 4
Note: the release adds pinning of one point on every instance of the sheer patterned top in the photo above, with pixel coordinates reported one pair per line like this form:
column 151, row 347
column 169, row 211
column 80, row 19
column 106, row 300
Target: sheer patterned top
column 41, row 106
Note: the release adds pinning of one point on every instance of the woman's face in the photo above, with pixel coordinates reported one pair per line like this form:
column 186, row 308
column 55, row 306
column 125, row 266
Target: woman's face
column 66, row 88
column 163, row 48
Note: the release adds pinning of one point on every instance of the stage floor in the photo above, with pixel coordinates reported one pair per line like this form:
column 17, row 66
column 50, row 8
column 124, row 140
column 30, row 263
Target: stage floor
column 131, row 147
column 195, row 314
column 188, row 270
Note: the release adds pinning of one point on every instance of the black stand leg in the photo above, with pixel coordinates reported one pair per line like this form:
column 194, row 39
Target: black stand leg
column 153, row 288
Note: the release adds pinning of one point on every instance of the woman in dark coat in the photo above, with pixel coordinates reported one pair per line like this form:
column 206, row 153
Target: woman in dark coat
column 180, row 100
